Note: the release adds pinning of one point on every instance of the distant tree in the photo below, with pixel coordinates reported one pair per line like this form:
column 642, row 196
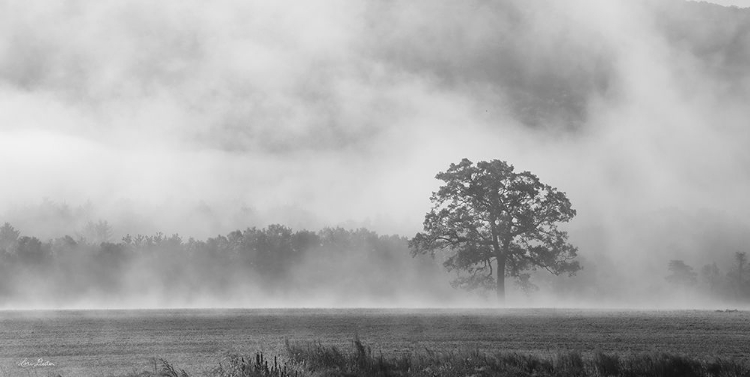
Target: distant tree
column 681, row 274
column 8, row 236
column 273, row 251
column 738, row 275
column 712, row 278
column 31, row 251
column 111, row 254
column 304, row 240
column 487, row 214
column 109, row 260
column 96, row 232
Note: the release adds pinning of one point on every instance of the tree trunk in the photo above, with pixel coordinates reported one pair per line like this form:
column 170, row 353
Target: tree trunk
column 501, row 281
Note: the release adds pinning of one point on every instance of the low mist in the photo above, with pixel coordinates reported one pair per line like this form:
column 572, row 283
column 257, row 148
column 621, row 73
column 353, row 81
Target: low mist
column 209, row 122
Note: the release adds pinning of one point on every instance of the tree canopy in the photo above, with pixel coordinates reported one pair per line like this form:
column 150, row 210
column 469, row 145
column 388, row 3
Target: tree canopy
column 487, row 214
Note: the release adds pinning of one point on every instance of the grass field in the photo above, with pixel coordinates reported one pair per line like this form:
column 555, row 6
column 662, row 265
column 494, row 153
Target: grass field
column 99, row 343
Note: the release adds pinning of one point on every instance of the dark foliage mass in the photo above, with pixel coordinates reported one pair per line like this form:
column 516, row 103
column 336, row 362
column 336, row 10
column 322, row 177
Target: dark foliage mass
column 275, row 262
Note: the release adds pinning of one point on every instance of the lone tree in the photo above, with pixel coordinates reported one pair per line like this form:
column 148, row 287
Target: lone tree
column 489, row 214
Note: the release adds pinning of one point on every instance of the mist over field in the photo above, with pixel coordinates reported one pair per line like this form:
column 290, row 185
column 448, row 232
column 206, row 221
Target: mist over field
column 197, row 119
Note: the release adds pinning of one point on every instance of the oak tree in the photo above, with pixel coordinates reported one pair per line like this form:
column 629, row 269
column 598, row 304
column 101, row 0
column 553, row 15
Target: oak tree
column 488, row 217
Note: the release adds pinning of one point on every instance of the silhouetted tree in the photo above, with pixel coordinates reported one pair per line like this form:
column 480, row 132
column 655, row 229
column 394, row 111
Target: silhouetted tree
column 304, row 240
column 96, row 232
column 488, row 213
column 681, row 274
column 8, row 236
column 109, row 261
column 738, row 275
column 30, row 251
column 712, row 277
column 274, row 251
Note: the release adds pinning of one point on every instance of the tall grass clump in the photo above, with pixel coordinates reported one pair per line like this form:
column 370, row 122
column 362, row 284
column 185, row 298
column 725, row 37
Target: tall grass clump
column 330, row 361
column 231, row 366
column 606, row 365
column 665, row 365
column 167, row 370
column 258, row 366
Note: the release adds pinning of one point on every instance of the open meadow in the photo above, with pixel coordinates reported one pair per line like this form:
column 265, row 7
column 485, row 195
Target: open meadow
column 88, row 343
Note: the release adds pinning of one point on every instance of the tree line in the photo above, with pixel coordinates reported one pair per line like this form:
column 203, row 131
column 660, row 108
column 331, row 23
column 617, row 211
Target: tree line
column 256, row 262
column 732, row 285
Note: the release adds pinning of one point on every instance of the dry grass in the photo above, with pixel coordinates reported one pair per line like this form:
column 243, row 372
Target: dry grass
column 103, row 343
column 316, row 359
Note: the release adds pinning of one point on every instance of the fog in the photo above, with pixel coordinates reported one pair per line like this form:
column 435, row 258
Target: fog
column 197, row 119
